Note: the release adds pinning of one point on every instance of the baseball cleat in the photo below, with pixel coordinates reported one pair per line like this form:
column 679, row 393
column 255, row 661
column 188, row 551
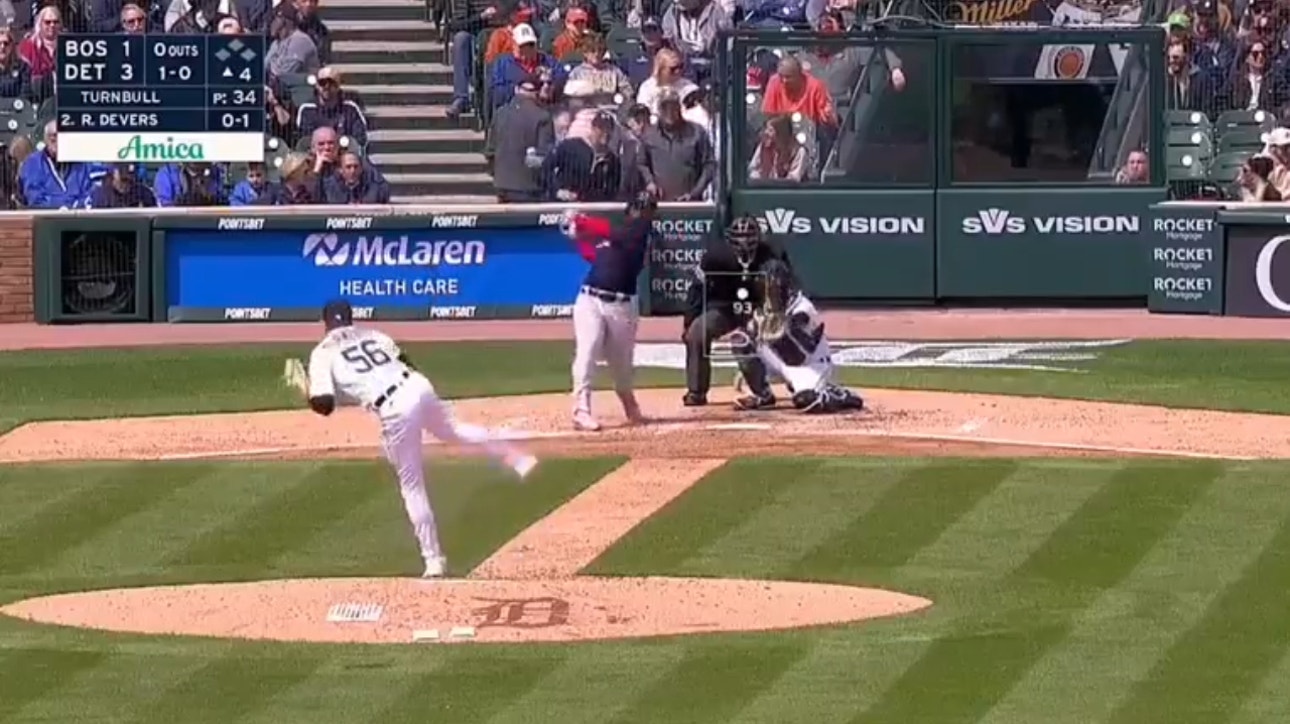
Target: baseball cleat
column 694, row 399
column 585, row 422
column 436, row 567
column 525, row 465
column 755, row 402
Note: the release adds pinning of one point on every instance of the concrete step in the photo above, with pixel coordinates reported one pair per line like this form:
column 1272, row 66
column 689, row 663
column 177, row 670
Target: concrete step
column 446, row 200
column 380, row 30
column 378, row 10
column 376, row 93
column 404, row 51
column 394, row 73
column 435, row 184
column 431, row 162
column 413, row 117
column 425, row 141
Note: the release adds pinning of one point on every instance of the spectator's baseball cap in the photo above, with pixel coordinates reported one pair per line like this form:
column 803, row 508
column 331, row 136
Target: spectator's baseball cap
column 523, row 34
column 1207, row 8
column 287, row 11
column 1279, row 137
column 521, row 12
column 337, row 313
column 1179, row 19
column 651, row 25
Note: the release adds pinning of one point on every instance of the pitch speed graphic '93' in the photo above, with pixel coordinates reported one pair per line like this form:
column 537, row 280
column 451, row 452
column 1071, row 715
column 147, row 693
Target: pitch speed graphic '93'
column 160, row 98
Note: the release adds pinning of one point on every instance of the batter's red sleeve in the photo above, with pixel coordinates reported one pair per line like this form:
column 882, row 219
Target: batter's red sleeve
column 591, row 230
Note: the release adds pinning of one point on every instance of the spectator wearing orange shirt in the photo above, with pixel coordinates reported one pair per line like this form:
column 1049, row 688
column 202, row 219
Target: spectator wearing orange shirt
column 502, row 42
column 793, row 90
column 569, row 42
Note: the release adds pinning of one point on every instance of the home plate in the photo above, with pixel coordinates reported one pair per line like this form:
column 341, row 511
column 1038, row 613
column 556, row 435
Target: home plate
column 740, row 426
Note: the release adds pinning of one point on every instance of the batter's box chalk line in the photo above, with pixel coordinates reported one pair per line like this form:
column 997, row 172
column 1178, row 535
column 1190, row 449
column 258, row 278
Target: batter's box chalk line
column 355, row 613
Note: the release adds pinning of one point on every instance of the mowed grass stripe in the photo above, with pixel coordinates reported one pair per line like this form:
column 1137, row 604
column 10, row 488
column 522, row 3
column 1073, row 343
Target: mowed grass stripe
column 704, row 514
column 1023, row 511
column 1030, row 611
column 1209, row 672
column 594, row 684
column 229, row 687
column 29, row 490
column 121, row 491
column 140, row 544
column 1116, row 640
column 911, row 513
column 1268, row 702
column 715, row 680
column 835, row 683
column 316, row 500
column 473, row 684
column 118, row 689
column 28, row 675
column 829, row 496
column 838, row 677
column 352, row 686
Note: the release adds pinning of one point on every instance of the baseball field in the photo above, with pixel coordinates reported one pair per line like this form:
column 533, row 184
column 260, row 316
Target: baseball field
column 1092, row 528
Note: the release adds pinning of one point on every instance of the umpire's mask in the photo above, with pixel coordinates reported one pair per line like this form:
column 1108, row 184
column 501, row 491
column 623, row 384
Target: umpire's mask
column 744, row 236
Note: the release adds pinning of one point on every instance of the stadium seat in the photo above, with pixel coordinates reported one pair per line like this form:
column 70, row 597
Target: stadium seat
column 1187, row 119
column 275, row 152
column 1223, row 170
column 1242, row 138
column 1185, row 164
column 1245, row 120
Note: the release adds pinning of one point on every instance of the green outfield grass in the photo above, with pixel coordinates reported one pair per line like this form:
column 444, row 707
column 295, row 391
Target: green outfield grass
column 1080, row 592
column 1066, row 591
column 147, row 381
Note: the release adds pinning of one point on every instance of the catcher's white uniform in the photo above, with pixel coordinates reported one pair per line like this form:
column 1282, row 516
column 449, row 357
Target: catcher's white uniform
column 801, row 356
column 363, row 366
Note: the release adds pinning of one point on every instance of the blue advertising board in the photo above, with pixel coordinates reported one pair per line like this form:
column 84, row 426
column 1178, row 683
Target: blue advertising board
column 287, row 275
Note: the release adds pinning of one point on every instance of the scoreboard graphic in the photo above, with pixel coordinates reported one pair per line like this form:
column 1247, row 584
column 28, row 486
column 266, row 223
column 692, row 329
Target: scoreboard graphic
column 160, row 98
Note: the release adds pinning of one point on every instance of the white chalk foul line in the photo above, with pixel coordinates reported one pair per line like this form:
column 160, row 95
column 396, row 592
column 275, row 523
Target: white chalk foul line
column 1036, row 444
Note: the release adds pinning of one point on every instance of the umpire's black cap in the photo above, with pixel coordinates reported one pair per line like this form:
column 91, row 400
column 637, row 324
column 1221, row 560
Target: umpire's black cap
column 338, row 313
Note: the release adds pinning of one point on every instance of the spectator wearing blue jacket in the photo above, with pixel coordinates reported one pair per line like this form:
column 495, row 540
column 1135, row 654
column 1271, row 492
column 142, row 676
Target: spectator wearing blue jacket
column 189, row 184
column 121, row 189
column 331, row 108
column 356, row 183
column 48, row 184
column 527, row 62
column 250, row 188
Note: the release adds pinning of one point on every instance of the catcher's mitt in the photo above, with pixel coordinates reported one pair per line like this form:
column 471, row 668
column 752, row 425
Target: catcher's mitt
column 771, row 319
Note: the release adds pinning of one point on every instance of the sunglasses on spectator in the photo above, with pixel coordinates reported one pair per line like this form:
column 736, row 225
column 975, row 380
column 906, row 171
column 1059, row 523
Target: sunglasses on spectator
column 133, row 21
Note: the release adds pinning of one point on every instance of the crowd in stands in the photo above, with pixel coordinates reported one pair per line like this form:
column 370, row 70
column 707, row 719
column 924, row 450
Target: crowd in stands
column 593, row 102
column 317, row 130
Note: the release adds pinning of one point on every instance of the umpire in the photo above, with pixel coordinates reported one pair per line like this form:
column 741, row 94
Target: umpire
column 728, row 265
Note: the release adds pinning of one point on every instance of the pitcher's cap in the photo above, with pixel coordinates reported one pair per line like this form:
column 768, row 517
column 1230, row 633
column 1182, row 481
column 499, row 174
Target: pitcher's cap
column 338, row 313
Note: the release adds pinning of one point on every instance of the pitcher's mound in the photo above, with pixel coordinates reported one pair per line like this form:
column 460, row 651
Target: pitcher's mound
column 391, row 610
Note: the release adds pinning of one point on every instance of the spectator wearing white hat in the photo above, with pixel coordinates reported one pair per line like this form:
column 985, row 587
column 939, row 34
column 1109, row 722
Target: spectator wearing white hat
column 1278, row 149
column 331, row 107
column 525, row 63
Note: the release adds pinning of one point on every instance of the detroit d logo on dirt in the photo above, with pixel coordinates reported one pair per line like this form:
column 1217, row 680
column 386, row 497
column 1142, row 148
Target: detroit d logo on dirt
column 326, row 249
column 523, row 612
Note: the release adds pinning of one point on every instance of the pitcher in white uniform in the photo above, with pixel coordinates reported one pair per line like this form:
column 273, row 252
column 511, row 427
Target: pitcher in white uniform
column 364, row 366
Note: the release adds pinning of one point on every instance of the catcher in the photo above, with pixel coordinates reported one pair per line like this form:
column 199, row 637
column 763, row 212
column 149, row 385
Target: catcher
column 786, row 337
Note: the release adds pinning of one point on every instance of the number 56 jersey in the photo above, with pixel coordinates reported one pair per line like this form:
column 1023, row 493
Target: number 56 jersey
column 352, row 363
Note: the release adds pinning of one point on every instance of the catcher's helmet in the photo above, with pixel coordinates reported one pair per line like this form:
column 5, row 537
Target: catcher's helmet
column 744, row 236
column 642, row 203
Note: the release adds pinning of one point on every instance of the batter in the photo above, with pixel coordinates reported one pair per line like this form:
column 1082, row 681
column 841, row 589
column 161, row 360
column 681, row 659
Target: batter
column 367, row 367
column 605, row 314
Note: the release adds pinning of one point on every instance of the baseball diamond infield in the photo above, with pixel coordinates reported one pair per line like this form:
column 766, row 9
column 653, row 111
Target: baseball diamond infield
column 530, row 589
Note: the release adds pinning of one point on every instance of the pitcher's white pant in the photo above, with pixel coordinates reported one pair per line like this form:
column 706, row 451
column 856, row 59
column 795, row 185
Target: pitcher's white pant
column 412, row 408
column 602, row 329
